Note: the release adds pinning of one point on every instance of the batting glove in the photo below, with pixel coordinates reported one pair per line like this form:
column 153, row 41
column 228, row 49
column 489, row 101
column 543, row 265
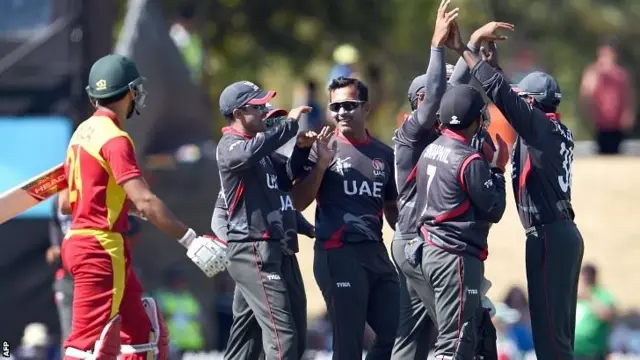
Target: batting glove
column 208, row 252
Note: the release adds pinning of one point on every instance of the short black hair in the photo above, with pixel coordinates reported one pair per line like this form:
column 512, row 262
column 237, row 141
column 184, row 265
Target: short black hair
column 111, row 100
column 590, row 273
column 343, row 82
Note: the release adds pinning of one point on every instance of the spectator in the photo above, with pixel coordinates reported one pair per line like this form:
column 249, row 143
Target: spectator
column 319, row 334
column 520, row 331
column 594, row 315
column 223, row 308
column 608, row 97
column 315, row 119
column 182, row 313
column 63, row 283
column 504, row 318
column 524, row 64
column 345, row 58
column 35, row 343
column 183, row 34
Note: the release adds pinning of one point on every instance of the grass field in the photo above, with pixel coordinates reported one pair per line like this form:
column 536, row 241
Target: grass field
column 606, row 201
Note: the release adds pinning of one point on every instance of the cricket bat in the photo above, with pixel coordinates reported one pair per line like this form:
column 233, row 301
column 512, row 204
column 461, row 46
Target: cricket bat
column 30, row 193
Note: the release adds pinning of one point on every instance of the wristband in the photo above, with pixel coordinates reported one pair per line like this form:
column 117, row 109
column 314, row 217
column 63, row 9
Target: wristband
column 188, row 238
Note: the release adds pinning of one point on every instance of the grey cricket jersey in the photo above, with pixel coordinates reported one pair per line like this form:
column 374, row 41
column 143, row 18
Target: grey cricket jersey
column 542, row 154
column 409, row 140
column 254, row 185
column 460, row 196
column 350, row 201
column 293, row 221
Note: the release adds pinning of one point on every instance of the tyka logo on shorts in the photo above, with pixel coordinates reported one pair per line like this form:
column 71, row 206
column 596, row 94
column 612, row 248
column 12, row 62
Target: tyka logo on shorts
column 272, row 276
column 343, row 284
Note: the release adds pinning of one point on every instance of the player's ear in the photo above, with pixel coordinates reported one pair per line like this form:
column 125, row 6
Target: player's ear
column 366, row 108
column 237, row 114
column 421, row 96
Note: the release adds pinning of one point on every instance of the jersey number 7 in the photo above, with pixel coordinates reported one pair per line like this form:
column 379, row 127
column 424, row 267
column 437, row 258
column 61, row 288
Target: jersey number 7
column 431, row 173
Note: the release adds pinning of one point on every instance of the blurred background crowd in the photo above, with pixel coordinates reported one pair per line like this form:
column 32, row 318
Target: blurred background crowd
column 190, row 50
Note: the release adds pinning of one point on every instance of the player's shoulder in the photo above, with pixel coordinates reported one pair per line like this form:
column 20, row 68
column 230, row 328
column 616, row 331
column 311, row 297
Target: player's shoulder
column 97, row 131
column 229, row 141
column 380, row 145
column 385, row 151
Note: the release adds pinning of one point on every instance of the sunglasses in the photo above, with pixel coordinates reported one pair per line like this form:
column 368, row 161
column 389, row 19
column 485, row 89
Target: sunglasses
column 255, row 107
column 348, row 105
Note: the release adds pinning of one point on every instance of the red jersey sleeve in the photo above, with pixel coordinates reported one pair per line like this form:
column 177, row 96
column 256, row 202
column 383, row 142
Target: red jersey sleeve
column 119, row 154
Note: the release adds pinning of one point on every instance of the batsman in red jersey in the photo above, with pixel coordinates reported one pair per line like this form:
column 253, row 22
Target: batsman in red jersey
column 110, row 318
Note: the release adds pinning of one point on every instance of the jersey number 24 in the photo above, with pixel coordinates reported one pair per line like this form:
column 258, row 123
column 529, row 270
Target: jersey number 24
column 74, row 180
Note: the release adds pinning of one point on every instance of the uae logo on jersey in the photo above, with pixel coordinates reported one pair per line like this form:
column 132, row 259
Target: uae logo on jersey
column 378, row 167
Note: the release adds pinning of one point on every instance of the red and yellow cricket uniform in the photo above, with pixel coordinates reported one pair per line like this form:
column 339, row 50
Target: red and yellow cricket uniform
column 100, row 158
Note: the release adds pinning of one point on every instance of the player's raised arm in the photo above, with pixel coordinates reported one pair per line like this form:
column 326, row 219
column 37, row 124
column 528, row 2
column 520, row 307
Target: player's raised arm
column 246, row 102
column 528, row 121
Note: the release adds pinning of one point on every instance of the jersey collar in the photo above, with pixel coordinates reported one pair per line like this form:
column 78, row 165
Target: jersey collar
column 234, row 131
column 454, row 135
column 341, row 137
column 102, row 111
column 553, row 116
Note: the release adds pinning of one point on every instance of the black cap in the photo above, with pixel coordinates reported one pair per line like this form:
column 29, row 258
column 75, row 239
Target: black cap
column 242, row 93
column 542, row 87
column 460, row 106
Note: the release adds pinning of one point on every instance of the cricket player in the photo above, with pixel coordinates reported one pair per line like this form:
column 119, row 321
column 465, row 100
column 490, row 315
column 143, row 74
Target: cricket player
column 255, row 189
column 461, row 195
column 245, row 339
column 541, row 176
column 63, row 283
column 104, row 181
column 416, row 330
column 351, row 178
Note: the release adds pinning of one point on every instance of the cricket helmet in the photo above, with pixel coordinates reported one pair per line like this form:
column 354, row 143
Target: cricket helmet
column 113, row 75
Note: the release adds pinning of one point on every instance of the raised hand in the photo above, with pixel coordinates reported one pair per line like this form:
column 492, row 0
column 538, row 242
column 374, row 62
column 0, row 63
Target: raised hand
column 306, row 139
column 454, row 41
column 297, row 112
column 444, row 19
column 488, row 32
column 325, row 153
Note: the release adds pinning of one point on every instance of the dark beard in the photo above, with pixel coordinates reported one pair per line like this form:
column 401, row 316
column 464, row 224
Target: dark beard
column 132, row 107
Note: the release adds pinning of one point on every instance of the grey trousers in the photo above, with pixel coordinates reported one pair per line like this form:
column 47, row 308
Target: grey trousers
column 416, row 331
column 269, row 305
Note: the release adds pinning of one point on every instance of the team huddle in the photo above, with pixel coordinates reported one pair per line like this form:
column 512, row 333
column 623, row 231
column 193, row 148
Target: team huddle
column 441, row 188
